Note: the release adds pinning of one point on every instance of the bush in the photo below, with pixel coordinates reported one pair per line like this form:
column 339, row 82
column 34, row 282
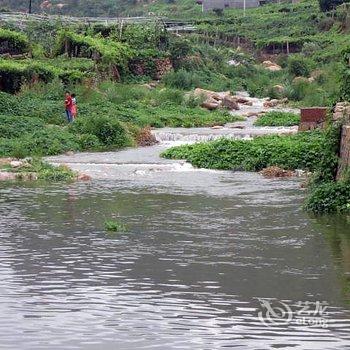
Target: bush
column 115, row 226
column 329, row 197
column 88, row 142
column 47, row 141
column 13, row 42
column 278, row 119
column 299, row 151
column 109, row 131
column 12, row 127
column 298, row 66
column 181, row 79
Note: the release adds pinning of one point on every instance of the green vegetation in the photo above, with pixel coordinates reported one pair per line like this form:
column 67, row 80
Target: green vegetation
column 15, row 43
column 300, row 151
column 111, row 116
column 115, row 226
column 109, row 68
column 315, row 151
column 329, row 197
column 278, row 119
column 36, row 169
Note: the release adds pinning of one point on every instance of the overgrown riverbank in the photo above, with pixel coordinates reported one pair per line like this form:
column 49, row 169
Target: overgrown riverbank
column 313, row 151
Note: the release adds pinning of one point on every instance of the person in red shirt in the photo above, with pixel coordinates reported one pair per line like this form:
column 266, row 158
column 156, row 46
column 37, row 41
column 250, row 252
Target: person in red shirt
column 68, row 105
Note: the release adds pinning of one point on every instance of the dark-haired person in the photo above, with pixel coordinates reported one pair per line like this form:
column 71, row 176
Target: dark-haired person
column 74, row 106
column 68, row 104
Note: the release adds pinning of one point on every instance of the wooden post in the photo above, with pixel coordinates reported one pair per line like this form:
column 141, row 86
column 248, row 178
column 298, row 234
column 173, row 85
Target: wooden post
column 287, row 47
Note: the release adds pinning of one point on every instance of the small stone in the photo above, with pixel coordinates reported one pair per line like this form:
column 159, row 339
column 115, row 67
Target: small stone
column 84, row 177
column 69, row 153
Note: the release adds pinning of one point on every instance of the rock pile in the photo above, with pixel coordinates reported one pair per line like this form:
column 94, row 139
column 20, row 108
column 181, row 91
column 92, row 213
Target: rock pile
column 214, row 100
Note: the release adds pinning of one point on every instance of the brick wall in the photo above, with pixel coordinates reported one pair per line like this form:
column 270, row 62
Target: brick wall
column 312, row 118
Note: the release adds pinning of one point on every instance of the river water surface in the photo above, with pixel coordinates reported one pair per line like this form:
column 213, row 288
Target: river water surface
column 202, row 248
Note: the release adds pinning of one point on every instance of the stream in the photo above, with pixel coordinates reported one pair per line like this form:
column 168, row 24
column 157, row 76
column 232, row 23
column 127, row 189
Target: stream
column 211, row 260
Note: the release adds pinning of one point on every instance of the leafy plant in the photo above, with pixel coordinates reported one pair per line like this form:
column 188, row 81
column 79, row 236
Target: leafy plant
column 114, row 226
column 278, row 119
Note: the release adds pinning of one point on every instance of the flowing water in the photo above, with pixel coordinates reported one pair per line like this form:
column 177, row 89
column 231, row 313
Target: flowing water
column 202, row 248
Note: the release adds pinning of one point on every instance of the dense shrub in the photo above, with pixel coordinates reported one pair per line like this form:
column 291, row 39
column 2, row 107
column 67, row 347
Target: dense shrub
column 181, row 79
column 278, row 119
column 14, row 74
column 298, row 66
column 109, row 131
column 12, row 127
column 13, row 42
column 47, row 141
column 300, row 151
column 329, row 197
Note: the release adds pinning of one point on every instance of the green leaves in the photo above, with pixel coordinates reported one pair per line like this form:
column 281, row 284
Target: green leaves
column 300, row 151
column 278, row 119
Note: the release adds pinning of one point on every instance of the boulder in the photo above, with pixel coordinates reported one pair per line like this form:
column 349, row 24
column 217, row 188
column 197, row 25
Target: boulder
column 208, row 94
column 278, row 88
column 210, row 105
column 271, row 66
column 230, row 103
column 16, row 164
column 298, row 80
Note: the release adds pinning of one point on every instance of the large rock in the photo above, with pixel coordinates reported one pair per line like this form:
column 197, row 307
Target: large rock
column 208, row 94
column 298, row 80
column 210, row 105
column 230, row 103
column 278, row 88
column 271, row 66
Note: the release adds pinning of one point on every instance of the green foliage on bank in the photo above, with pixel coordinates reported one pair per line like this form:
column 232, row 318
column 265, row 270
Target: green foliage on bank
column 110, row 117
column 278, row 119
column 109, row 51
column 37, row 169
column 16, row 43
column 299, row 151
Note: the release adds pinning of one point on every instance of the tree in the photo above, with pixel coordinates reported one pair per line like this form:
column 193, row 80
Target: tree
column 328, row 5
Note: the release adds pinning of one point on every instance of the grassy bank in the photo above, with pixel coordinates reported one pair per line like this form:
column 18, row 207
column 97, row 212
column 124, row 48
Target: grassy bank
column 314, row 151
column 111, row 116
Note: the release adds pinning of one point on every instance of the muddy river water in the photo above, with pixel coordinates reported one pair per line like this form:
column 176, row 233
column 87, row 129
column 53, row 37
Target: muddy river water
column 211, row 260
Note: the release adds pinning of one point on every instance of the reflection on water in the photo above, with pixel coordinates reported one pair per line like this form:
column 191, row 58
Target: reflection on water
column 336, row 230
column 188, row 275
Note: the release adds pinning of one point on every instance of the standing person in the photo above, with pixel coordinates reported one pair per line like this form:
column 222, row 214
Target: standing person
column 68, row 104
column 74, row 106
